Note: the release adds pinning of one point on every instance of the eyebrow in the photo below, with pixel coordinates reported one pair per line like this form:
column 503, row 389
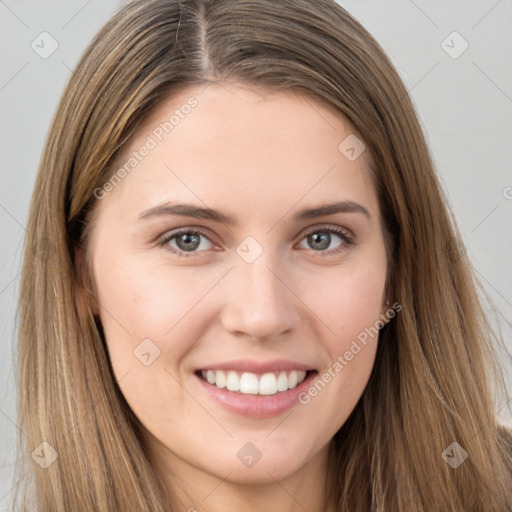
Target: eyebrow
column 190, row 210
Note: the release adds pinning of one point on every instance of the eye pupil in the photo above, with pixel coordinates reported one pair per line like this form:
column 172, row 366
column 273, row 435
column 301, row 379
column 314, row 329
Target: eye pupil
column 188, row 238
column 317, row 238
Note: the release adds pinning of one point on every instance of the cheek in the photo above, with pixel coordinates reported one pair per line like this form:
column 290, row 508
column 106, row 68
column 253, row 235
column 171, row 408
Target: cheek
column 346, row 301
column 348, row 309
column 149, row 315
column 142, row 300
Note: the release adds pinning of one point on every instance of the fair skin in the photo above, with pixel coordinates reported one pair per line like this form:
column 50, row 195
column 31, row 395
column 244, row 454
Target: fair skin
column 259, row 158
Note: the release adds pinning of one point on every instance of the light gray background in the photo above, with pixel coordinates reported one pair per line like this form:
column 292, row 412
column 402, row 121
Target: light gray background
column 465, row 105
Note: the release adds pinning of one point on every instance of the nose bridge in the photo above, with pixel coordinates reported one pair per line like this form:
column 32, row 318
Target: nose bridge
column 261, row 279
column 259, row 302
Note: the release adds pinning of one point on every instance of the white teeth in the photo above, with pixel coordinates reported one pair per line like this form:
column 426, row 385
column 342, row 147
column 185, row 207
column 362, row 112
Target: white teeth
column 292, row 379
column 233, row 381
column 220, row 379
column 251, row 384
column 268, row 384
column 282, row 382
column 210, row 376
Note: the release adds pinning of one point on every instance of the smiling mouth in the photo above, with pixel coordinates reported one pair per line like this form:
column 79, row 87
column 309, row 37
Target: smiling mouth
column 247, row 383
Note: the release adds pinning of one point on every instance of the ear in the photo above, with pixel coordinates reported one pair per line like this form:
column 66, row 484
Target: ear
column 85, row 291
column 386, row 306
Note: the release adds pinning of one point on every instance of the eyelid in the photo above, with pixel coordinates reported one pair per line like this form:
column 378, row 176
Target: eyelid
column 330, row 227
column 345, row 234
column 170, row 235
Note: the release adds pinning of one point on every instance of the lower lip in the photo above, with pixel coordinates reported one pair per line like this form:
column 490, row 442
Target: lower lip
column 257, row 406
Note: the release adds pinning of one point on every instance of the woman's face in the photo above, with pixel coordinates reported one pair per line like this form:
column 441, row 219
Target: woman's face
column 241, row 247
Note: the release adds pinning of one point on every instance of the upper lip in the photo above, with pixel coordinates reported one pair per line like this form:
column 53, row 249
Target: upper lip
column 248, row 365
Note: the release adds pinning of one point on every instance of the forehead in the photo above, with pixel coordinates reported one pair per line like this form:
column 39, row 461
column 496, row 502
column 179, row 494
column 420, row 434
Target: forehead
column 245, row 148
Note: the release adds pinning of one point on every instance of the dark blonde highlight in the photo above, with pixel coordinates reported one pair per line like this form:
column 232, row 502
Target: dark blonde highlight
column 435, row 367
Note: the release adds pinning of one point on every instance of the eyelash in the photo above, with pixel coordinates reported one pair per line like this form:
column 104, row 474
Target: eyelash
column 343, row 234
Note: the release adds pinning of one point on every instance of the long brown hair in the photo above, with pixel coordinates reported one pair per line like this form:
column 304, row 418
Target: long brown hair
column 435, row 373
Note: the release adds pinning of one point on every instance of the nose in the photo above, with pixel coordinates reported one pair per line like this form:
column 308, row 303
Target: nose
column 260, row 302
